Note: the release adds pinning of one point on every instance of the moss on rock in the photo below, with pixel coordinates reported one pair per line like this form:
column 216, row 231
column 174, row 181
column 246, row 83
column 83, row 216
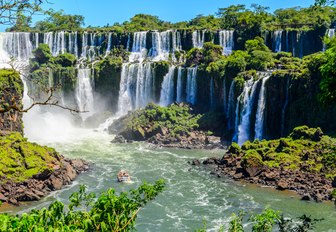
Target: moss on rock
column 21, row 160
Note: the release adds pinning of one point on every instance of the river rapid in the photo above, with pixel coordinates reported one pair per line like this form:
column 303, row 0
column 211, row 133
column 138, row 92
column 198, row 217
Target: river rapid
column 191, row 196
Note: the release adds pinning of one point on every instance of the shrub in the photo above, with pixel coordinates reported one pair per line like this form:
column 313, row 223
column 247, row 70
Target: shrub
column 42, row 54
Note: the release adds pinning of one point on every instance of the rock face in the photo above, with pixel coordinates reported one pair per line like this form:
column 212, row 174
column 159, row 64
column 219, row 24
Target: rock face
column 11, row 91
column 309, row 185
column 42, row 184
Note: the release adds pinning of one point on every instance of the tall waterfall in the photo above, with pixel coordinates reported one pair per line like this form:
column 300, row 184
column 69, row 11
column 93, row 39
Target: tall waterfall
column 277, row 40
column 84, row 91
column 15, row 45
column 330, row 34
column 136, row 87
column 198, row 38
column 260, row 115
column 167, row 88
column 179, row 85
column 191, row 89
column 248, row 96
column 226, row 41
column 139, row 51
column 109, row 43
column 164, row 44
column 284, row 108
column 230, row 111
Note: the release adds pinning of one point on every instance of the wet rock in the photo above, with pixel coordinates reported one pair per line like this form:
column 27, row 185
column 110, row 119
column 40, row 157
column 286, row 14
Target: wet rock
column 196, row 162
column 306, row 197
column 333, row 184
column 119, row 139
column 282, row 185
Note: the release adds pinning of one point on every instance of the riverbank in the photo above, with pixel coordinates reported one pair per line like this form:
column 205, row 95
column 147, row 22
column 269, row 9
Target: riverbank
column 30, row 172
column 301, row 162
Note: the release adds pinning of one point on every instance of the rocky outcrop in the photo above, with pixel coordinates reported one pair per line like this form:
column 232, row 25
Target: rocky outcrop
column 302, row 162
column 11, row 91
column 172, row 126
column 42, row 184
column 311, row 186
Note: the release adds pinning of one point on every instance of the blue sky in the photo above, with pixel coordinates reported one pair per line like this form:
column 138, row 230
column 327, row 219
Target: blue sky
column 101, row 12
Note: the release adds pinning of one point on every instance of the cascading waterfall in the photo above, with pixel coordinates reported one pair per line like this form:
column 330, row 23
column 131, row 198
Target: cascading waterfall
column 283, row 111
column 179, row 85
column 139, row 51
column 198, row 38
column 167, row 88
column 260, row 115
column 109, row 43
column 243, row 125
column 226, row 41
column 84, row 92
column 330, row 34
column 277, row 40
column 135, row 87
column 191, row 89
column 230, row 110
column 15, row 45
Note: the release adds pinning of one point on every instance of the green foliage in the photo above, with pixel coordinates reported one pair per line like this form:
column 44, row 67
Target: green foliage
column 305, row 147
column 256, row 44
column 42, row 54
column 265, row 221
column 270, row 220
column 65, row 60
column 236, row 224
column 145, row 22
column 176, row 118
column 110, row 212
column 328, row 70
column 20, row 159
column 209, row 22
column 58, row 21
column 10, row 86
column 236, row 63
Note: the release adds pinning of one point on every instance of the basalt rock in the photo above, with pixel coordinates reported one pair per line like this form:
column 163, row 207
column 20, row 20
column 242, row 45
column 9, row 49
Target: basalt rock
column 42, row 184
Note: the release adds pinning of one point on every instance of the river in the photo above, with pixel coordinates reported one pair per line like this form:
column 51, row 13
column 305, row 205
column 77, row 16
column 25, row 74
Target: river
column 191, row 196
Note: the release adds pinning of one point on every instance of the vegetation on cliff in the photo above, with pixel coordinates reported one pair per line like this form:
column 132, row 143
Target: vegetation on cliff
column 21, row 160
column 305, row 149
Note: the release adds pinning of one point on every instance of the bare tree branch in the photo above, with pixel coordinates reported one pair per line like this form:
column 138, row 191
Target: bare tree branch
column 10, row 101
column 10, row 9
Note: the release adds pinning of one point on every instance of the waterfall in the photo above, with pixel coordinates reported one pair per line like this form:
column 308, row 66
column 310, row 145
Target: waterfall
column 230, row 111
column 191, row 88
column 277, row 40
column 225, row 103
column 109, row 43
column 283, row 111
column 15, row 45
column 330, row 34
column 139, row 51
column 160, row 46
column 212, row 94
column 198, row 38
column 248, row 96
column 136, row 87
column 260, row 115
column 226, row 41
column 179, row 85
column 287, row 41
column 50, row 78
column 167, row 88
column 84, row 92
column 73, row 44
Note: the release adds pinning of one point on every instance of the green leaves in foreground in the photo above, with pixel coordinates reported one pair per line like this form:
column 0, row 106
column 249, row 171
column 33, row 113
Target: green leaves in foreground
column 110, row 212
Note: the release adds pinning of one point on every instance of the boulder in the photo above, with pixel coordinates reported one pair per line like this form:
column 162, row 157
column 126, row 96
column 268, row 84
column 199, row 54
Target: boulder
column 282, row 185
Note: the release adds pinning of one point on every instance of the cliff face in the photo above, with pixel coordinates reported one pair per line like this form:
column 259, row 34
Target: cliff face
column 11, row 91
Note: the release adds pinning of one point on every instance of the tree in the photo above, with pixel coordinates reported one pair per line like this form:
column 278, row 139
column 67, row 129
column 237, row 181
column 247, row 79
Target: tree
column 12, row 10
column 324, row 2
column 58, row 21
